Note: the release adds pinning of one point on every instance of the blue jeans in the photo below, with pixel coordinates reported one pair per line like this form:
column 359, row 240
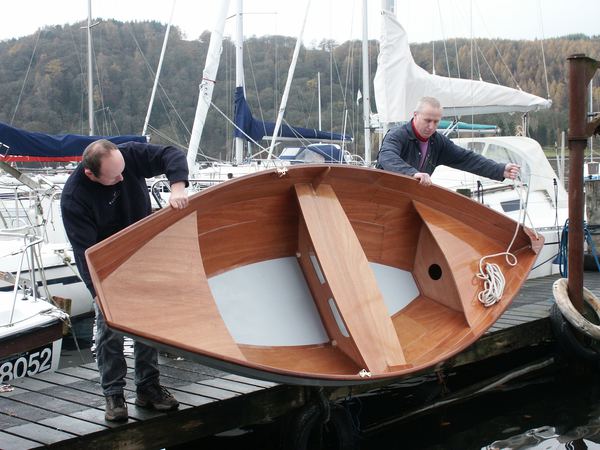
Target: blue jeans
column 111, row 360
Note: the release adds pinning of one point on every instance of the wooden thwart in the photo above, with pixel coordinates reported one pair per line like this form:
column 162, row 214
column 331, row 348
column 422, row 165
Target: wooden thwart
column 348, row 282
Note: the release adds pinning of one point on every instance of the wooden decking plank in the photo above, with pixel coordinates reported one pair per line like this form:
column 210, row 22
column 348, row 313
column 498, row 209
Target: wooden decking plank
column 96, row 415
column 25, row 411
column 251, row 381
column 209, row 391
column 231, row 385
column 80, row 372
column 39, row 433
column 12, row 442
column 72, row 425
column 198, row 369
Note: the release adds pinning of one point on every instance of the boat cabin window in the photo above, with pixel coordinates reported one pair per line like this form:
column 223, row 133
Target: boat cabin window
column 476, row 147
column 503, row 155
column 308, row 156
column 511, row 205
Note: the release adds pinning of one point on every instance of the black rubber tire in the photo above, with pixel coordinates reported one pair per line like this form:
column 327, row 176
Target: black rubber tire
column 563, row 333
column 307, row 431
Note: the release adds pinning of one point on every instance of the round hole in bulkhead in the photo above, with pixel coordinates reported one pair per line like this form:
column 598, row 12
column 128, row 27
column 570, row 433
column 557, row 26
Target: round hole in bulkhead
column 435, row 272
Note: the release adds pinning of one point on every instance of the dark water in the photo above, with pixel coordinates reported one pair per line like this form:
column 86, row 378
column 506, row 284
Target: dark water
column 556, row 411
column 550, row 409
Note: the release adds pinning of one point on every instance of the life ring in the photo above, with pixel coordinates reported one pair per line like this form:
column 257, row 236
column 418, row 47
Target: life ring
column 307, row 427
column 561, row 296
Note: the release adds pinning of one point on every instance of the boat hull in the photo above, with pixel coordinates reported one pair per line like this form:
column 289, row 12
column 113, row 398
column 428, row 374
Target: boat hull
column 319, row 275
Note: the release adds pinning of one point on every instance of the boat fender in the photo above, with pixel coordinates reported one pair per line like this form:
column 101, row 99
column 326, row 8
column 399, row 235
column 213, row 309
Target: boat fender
column 308, row 430
column 561, row 296
column 568, row 341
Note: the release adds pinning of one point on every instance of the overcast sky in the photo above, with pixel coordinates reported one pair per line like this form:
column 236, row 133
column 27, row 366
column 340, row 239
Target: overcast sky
column 328, row 19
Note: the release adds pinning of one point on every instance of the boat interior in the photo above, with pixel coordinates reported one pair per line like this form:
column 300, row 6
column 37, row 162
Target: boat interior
column 319, row 275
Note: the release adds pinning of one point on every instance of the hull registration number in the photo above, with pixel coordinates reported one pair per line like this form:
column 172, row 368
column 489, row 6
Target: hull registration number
column 26, row 364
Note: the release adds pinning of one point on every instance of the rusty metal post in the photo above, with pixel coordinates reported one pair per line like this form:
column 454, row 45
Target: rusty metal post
column 581, row 71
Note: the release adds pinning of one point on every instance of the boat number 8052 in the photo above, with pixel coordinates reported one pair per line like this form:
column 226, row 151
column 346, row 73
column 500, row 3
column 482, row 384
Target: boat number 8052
column 27, row 364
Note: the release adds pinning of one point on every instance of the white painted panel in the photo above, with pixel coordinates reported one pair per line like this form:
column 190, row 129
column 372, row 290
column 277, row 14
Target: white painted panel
column 268, row 303
column 397, row 286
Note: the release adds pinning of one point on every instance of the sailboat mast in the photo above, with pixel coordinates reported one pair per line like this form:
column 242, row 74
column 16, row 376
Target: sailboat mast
column 319, row 95
column 288, row 83
column 208, row 83
column 160, row 61
column 366, row 82
column 89, row 74
column 239, row 71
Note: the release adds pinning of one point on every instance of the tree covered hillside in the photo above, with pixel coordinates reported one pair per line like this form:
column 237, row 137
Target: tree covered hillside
column 43, row 81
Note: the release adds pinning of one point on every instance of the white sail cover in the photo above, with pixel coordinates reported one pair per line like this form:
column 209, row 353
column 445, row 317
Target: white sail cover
column 400, row 83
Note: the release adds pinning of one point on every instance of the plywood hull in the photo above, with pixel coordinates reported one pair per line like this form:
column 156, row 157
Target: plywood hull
column 322, row 275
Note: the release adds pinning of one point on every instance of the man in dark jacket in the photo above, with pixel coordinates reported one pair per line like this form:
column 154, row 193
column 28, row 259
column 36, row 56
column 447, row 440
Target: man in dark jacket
column 416, row 149
column 106, row 193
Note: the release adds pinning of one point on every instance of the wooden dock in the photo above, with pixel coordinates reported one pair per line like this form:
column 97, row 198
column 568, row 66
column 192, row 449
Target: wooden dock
column 65, row 409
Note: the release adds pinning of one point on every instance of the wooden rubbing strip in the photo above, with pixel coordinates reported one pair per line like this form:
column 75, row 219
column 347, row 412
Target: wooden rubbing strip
column 350, row 279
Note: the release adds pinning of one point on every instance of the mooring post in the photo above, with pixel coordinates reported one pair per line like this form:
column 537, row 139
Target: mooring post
column 581, row 71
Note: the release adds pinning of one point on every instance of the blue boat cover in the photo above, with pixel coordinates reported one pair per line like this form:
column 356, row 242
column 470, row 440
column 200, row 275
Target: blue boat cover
column 257, row 129
column 445, row 124
column 32, row 146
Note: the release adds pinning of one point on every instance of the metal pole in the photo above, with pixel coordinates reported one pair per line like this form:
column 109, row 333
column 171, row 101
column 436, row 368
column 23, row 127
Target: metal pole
column 581, row 69
column 239, row 71
column 366, row 85
column 156, row 77
column 89, row 74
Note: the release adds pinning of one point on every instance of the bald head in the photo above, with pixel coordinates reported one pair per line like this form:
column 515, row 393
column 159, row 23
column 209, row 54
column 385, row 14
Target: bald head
column 103, row 162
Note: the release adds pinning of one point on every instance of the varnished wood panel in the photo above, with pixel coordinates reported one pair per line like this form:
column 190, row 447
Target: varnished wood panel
column 310, row 359
column 172, row 302
column 350, row 279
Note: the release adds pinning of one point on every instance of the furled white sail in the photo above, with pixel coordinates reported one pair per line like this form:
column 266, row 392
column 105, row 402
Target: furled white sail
column 400, row 83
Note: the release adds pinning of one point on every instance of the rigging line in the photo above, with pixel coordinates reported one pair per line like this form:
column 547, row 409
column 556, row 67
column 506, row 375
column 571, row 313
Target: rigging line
column 498, row 51
column 152, row 73
column 236, row 127
column 457, row 58
column 37, row 39
column 97, row 66
column 487, row 63
column 450, row 84
column 166, row 137
column 543, row 53
column 477, row 60
column 77, row 55
column 444, row 38
column 247, row 52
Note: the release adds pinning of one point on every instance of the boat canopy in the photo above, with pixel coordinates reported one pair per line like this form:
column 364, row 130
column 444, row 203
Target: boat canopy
column 400, row 83
column 257, row 129
column 24, row 146
column 464, row 126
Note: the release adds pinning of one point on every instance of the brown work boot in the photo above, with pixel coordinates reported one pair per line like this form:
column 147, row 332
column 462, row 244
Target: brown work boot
column 155, row 396
column 116, row 408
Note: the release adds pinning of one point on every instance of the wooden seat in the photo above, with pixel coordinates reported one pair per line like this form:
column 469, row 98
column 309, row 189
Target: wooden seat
column 343, row 284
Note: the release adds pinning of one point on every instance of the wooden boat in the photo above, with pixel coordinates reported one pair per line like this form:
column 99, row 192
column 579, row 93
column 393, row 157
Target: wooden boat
column 324, row 275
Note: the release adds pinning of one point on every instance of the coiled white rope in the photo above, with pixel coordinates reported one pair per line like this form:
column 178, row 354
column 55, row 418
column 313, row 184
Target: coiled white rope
column 491, row 274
